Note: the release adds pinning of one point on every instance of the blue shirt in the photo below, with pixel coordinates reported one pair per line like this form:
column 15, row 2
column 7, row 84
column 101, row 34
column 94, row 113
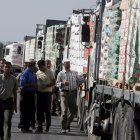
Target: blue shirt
column 27, row 76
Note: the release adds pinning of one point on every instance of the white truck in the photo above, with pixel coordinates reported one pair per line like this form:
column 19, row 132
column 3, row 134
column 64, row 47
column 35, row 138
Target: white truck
column 13, row 53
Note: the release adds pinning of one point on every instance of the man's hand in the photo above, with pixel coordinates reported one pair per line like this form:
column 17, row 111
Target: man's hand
column 65, row 83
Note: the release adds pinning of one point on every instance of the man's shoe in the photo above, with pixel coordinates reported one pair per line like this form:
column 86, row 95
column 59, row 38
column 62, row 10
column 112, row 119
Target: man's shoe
column 68, row 129
column 23, row 130
column 39, row 130
column 47, row 129
column 33, row 128
column 63, row 131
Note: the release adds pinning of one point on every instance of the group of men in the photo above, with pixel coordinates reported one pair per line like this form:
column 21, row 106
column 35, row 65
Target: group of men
column 40, row 83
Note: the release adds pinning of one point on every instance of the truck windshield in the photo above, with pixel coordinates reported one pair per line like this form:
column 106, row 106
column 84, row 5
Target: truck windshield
column 19, row 50
column 7, row 51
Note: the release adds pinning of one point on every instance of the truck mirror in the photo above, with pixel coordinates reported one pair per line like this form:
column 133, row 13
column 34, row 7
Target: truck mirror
column 39, row 44
column 85, row 33
column 19, row 50
column 59, row 38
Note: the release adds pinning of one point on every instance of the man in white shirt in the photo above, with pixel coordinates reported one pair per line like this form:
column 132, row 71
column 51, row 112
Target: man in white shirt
column 68, row 82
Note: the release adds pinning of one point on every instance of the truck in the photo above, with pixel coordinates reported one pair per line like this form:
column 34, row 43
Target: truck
column 29, row 49
column 112, row 96
column 109, row 104
column 13, row 53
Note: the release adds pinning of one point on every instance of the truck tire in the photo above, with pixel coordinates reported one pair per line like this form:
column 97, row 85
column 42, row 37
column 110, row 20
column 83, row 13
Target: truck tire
column 85, row 123
column 128, row 125
column 118, row 123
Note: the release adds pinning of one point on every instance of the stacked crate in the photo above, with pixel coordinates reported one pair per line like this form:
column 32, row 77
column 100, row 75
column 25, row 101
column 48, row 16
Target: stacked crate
column 51, row 51
column 123, row 40
column 29, row 49
column 76, row 49
column 133, row 47
column 51, row 46
column 110, row 43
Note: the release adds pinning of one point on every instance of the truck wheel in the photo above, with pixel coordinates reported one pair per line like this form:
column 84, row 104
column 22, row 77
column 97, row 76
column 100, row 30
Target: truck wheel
column 119, row 116
column 85, row 123
column 128, row 125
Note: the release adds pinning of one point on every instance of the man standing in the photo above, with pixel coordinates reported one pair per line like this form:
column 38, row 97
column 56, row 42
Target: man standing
column 68, row 82
column 8, row 98
column 2, row 61
column 46, row 80
column 28, row 86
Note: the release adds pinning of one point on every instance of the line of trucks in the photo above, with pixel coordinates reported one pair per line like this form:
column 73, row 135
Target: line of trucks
column 103, row 44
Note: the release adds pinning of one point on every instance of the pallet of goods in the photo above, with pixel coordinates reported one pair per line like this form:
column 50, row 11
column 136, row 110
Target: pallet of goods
column 110, row 43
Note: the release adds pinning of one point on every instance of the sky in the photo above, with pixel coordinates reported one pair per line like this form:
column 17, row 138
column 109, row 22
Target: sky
column 18, row 18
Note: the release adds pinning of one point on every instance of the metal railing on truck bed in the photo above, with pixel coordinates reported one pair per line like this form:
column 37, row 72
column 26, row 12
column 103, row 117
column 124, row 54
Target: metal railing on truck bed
column 128, row 95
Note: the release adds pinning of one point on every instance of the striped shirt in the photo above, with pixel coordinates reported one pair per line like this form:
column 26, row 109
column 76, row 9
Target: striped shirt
column 72, row 77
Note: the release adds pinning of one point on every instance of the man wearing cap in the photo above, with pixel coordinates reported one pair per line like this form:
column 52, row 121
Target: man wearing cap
column 68, row 82
column 28, row 86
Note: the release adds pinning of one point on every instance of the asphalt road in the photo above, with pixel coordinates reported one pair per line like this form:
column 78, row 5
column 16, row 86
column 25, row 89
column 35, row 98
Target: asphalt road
column 53, row 134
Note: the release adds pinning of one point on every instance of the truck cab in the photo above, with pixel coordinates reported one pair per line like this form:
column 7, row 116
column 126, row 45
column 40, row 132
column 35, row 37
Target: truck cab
column 13, row 53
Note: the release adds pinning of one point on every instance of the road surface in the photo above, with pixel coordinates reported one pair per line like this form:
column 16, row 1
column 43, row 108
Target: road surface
column 53, row 134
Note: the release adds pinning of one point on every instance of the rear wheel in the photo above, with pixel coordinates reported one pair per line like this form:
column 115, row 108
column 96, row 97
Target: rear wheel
column 118, row 121
column 128, row 125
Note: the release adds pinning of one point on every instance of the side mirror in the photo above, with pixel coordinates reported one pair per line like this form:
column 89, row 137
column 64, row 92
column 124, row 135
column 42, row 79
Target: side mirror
column 39, row 44
column 85, row 33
